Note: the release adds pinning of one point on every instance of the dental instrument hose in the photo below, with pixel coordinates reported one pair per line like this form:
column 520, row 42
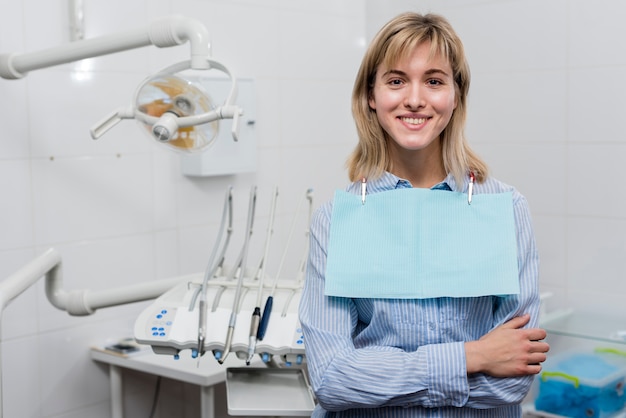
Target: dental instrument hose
column 256, row 314
column 210, row 272
column 233, row 314
column 267, row 310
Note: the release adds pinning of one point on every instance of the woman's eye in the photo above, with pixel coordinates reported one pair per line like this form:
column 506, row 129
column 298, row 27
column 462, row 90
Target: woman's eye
column 434, row 82
column 395, row 82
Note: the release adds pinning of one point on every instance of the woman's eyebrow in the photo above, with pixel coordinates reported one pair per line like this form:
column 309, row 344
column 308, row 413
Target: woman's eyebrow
column 430, row 71
column 394, row 72
column 436, row 71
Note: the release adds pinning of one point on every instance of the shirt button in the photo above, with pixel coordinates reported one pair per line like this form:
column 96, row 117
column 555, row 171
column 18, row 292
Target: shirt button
column 431, row 325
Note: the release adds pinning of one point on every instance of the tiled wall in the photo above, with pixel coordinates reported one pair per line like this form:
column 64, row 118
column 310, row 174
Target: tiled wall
column 545, row 111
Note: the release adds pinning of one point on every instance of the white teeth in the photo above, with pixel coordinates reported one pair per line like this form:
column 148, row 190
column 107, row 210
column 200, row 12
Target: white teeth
column 414, row 121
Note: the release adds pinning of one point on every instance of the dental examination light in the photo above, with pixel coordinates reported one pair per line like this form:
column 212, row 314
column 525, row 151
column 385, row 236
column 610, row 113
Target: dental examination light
column 174, row 111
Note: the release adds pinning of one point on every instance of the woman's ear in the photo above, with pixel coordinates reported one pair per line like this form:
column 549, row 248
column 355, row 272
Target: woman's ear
column 371, row 101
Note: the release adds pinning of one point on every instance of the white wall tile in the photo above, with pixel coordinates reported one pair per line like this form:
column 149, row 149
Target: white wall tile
column 21, row 370
column 200, row 200
column 308, row 107
column 16, row 210
column 197, row 245
column 68, row 374
column 302, row 170
column 532, row 168
column 45, row 24
column 601, row 46
column 550, row 235
column 269, row 174
column 166, row 172
column 19, row 318
column 269, row 113
column 11, row 29
column 91, row 197
column 166, row 254
column 606, row 98
column 524, row 107
column 327, row 47
column 593, row 171
column 341, row 7
column 499, row 36
column 14, row 119
column 594, row 248
column 603, row 303
column 249, row 44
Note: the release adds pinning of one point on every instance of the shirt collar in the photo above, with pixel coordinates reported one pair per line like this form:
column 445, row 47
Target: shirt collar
column 389, row 181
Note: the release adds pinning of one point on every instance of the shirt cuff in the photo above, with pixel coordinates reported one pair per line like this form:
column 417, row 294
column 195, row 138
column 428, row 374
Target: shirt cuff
column 447, row 373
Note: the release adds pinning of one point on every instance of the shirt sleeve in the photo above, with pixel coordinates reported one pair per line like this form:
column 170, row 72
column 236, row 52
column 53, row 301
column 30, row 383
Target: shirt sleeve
column 487, row 391
column 344, row 377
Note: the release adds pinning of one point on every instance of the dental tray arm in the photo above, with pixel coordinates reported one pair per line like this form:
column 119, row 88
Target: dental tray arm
column 166, row 32
column 77, row 302
column 48, row 264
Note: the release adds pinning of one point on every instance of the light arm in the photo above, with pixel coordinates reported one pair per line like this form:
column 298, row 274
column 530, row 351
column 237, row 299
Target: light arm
column 166, row 32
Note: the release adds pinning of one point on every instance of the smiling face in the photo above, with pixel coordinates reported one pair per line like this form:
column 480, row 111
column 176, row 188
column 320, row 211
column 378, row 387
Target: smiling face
column 414, row 100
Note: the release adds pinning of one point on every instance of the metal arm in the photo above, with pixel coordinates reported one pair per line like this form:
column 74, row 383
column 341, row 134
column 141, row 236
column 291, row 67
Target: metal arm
column 171, row 31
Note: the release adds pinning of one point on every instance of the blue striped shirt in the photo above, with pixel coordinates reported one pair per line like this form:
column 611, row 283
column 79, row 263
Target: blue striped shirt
column 406, row 358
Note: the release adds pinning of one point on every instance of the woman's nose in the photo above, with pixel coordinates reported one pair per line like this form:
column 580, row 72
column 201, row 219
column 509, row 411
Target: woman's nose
column 414, row 97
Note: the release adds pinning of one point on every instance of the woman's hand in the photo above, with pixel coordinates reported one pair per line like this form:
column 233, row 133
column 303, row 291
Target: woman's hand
column 508, row 350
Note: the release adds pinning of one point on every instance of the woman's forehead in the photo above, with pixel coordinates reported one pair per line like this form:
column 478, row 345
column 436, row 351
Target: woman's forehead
column 398, row 51
column 401, row 55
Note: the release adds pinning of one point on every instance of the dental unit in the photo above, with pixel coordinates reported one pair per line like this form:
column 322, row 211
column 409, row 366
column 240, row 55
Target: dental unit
column 190, row 312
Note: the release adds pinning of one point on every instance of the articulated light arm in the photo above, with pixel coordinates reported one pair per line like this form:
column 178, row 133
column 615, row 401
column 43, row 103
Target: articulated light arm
column 166, row 32
column 164, row 127
column 170, row 127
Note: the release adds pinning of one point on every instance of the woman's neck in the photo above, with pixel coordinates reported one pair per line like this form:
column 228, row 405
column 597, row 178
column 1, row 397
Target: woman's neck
column 421, row 169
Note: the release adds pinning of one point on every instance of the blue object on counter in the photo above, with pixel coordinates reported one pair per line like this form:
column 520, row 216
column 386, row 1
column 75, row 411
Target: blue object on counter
column 583, row 385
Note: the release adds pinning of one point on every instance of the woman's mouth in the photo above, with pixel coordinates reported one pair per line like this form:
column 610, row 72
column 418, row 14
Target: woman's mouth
column 413, row 121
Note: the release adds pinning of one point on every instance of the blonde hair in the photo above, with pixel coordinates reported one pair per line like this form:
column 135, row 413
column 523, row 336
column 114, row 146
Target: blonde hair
column 399, row 36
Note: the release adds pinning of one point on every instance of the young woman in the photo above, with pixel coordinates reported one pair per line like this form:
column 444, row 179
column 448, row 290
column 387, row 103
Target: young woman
column 471, row 356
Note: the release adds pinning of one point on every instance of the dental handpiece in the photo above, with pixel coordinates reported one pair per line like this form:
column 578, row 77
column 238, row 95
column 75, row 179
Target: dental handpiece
column 254, row 326
column 201, row 325
column 265, row 319
column 229, row 337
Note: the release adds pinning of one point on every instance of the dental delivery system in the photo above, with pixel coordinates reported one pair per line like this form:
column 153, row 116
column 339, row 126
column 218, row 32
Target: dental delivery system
column 220, row 313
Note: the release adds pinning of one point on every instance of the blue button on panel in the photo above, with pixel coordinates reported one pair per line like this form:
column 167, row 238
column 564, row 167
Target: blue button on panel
column 162, row 323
